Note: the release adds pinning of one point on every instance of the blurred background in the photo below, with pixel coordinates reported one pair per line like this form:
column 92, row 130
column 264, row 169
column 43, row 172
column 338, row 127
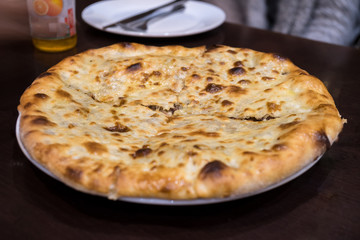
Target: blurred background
column 332, row 21
column 14, row 22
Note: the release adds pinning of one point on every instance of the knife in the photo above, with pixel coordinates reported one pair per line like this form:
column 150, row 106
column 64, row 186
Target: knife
column 148, row 14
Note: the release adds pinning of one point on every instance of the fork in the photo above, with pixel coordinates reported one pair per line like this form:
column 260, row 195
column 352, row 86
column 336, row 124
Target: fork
column 142, row 19
column 142, row 25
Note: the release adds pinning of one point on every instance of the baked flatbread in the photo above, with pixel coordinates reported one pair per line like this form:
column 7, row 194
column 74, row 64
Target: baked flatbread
column 130, row 120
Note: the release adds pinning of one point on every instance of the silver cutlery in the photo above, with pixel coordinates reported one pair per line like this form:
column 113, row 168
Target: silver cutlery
column 139, row 22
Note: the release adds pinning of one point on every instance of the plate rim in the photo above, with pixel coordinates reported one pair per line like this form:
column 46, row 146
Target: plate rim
column 119, row 31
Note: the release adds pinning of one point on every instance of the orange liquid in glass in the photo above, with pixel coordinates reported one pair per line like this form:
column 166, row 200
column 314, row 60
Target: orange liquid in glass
column 57, row 45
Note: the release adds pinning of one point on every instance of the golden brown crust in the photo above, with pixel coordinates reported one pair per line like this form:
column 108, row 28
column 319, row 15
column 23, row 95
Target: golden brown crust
column 174, row 122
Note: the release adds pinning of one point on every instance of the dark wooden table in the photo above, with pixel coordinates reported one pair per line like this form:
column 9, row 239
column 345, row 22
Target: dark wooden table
column 323, row 203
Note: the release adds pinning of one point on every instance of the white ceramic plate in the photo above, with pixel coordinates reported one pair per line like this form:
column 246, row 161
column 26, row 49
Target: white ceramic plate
column 197, row 17
column 158, row 201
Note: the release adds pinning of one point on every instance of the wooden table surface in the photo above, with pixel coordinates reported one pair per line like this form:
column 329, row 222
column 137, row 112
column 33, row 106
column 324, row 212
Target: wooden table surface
column 323, row 203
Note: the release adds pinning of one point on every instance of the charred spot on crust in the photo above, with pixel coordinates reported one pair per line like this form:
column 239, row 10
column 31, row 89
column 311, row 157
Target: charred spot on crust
column 254, row 119
column 322, row 140
column 126, row 45
column 212, row 169
column 266, row 118
column 279, row 57
column 134, row 67
column 171, row 110
column 122, row 102
column 203, row 133
column 82, row 110
column 178, row 136
column 226, row 103
column 272, row 107
column 118, row 127
column 195, row 76
column 323, row 106
column 41, row 95
column 92, row 96
column 160, row 153
column 156, row 73
column 237, row 71
column 288, row 125
column 213, row 48
column 279, row 147
column 213, row 88
column 44, row 74
column 191, row 153
column 154, row 107
column 249, row 153
column 235, row 90
column 231, row 51
column 73, row 174
column 72, row 60
column 95, row 148
column 301, row 72
column 142, row 152
column 167, row 188
column 25, row 116
column 98, row 168
column 175, row 108
column 41, row 120
column 27, row 105
column 62, row 93
column 244, row 82
column 267, row 78
column 238, row 64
